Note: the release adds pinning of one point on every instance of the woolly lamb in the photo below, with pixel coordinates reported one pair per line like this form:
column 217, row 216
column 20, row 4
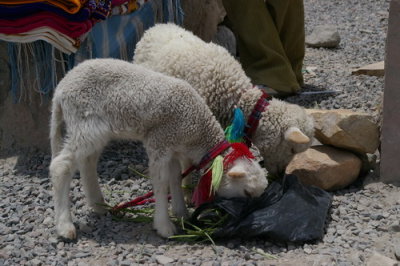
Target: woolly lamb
column 284, row 129
column 104, row 99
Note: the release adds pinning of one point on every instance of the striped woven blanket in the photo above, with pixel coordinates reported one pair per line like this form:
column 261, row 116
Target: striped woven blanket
column 70, row 6
column 115, row 37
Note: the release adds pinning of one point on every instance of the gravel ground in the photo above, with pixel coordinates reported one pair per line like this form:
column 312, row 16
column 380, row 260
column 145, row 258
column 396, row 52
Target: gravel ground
column 364, row 218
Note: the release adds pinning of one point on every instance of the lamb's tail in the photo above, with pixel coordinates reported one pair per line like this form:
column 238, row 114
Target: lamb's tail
column 56, row 122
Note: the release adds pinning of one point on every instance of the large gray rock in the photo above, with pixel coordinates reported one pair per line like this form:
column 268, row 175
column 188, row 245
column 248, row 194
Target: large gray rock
column 325, row 36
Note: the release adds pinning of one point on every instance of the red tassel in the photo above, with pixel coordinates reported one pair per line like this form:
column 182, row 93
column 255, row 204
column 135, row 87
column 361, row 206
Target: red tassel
column 239, row 150
column 202, row 193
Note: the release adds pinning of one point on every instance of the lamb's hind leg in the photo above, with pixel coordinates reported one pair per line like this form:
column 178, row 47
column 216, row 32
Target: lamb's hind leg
column 175, row 186
column 62, row 168
column 160, row 173
column 90, row 182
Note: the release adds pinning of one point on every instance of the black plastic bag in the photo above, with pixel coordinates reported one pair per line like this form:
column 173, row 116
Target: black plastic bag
column 287, row 211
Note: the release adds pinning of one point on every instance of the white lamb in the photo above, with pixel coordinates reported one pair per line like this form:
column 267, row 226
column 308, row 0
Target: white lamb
column 284, row 129
column 104, row 99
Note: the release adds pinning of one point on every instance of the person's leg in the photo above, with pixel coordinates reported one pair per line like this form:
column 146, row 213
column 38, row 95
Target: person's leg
column 260, row 49
column 289, row 20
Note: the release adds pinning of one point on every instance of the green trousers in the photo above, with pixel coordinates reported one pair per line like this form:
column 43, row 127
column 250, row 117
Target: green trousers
column 270, row 37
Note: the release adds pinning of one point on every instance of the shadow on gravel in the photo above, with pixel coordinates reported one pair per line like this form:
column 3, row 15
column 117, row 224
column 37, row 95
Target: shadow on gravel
column 35, row 162
column 27, row 161
column 105, row 230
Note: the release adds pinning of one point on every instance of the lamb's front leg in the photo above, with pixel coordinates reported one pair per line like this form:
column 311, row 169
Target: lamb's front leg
column 159, row 172
column 175, row 185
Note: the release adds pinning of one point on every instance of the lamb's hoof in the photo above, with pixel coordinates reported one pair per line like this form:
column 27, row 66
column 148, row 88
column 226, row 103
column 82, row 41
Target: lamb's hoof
column 66, row 231
column 166, row 230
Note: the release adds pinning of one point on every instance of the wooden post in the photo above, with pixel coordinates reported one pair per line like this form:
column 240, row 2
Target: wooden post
column 390, row 137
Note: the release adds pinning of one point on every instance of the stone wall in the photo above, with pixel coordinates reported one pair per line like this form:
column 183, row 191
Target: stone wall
column 23, row 124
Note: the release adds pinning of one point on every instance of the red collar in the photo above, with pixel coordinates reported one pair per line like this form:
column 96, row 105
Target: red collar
column 255, row 116
column 211, row 154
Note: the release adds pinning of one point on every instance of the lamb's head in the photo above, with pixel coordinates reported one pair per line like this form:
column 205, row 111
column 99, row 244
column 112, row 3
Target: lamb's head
column 284, row 130
column 245, row 178
column 237, row 174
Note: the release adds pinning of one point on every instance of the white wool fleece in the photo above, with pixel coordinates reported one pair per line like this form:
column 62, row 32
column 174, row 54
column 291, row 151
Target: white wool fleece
column 209, row 68
column 221, row 81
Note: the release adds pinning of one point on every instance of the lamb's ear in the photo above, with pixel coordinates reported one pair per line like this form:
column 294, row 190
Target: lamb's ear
column 294, row 134
column 236, row 174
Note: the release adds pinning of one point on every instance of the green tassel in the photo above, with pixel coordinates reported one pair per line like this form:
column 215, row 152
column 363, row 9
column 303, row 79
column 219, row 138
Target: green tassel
column 234, row 132
column 217, row 168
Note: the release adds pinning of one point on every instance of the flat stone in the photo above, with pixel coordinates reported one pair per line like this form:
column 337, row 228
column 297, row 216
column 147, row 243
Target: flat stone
column 164, row 259
column 375, row 69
